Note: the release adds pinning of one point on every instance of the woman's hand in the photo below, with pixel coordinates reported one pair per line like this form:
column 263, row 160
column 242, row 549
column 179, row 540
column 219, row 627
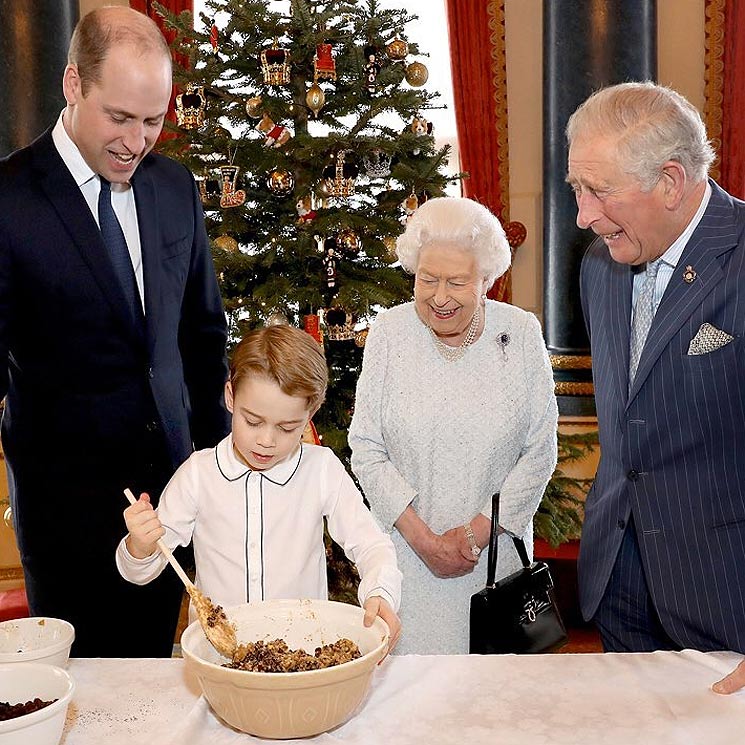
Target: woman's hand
column 460, row 541
column 144, row 528
column 377, row 606
column 440, row 553
column 447, row 556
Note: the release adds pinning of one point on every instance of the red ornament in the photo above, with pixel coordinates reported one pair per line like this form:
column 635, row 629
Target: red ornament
column 213, row 37
column 516, row 234
column 312, row 326
column 324, row 65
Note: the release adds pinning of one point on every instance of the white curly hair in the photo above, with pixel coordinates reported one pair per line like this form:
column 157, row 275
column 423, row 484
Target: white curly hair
column 461, row 223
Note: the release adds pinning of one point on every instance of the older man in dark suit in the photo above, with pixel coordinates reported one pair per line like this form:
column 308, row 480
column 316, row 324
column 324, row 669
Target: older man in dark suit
column 112, row 334
column 662, row 557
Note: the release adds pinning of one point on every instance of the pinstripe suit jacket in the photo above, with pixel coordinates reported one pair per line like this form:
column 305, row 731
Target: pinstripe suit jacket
column 673, row 449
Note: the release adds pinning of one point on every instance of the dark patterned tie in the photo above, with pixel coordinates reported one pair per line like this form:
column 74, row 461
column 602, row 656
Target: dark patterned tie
column 113, row 237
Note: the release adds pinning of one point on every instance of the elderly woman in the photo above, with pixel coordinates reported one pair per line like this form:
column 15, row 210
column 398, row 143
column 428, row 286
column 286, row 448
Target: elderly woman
column 454, row 402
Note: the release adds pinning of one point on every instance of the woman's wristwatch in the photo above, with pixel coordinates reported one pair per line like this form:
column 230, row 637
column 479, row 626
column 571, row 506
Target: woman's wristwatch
column 475, row 550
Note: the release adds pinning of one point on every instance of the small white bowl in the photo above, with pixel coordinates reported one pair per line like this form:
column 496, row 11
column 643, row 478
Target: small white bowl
column 22, row 683
column 288, row 705
column 46, row 640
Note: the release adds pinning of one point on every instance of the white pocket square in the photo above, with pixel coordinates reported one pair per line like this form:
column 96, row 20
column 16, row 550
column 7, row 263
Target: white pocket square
column 708, row 339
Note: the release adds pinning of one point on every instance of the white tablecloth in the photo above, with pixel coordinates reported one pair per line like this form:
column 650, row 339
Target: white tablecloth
column 584, row 699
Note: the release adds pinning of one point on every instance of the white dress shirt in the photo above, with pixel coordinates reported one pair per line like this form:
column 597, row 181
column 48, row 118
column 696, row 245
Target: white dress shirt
column 122, row 197
column 258, row 535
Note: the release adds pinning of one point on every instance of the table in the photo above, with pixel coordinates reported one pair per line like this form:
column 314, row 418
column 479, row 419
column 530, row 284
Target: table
column 660, row 698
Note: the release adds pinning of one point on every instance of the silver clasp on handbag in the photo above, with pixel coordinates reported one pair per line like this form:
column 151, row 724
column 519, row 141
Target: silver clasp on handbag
column 530, row 609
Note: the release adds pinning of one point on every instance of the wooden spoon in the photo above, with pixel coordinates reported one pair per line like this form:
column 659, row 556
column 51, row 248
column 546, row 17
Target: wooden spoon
column 217, row 628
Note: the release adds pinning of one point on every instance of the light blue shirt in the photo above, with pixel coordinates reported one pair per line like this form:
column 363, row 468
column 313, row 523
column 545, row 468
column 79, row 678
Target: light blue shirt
column 671, row 257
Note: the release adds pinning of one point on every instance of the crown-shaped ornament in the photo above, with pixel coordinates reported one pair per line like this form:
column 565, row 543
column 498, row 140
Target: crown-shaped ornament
column 339, row 324
column 191, row 107
column 377, row 163
column 275, row 65
column 339, row 177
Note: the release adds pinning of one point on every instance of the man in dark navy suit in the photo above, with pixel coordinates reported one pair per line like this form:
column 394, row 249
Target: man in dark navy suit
column 662, row 556
column 112, row 334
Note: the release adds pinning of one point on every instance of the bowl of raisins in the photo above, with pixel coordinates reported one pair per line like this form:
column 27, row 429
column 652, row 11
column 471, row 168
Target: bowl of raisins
column 33, row 703
column 302, row 667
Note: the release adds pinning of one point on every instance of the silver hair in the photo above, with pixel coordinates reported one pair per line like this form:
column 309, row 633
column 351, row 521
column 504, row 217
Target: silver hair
column 461, row 223
column 653, row 124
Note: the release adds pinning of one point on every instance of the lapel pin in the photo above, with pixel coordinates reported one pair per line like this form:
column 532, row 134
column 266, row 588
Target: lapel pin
column 689, row 274
column 503, row 339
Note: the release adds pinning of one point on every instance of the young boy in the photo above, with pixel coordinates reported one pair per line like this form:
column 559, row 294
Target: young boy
column 254, row 505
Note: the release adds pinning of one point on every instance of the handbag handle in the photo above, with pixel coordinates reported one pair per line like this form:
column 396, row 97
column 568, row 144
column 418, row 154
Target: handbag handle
column 522, row 552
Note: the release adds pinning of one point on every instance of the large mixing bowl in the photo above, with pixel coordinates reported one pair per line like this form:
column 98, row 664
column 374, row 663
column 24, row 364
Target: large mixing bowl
column 288, row 705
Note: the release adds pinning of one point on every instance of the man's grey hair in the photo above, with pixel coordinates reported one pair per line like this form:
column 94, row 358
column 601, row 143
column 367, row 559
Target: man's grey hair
column 653, row 124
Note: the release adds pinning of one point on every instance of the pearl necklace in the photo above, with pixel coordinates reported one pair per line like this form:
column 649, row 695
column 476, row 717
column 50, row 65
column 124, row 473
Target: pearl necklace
column 453, row 354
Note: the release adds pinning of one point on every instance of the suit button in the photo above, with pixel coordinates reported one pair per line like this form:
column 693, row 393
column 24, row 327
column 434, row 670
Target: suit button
column 151, row 426
column 621, row 524
column 150, row 372
column 632, row 475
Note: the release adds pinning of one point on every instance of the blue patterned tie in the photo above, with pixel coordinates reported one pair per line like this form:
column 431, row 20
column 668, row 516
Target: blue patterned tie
column 643, row 315
column 113, row 237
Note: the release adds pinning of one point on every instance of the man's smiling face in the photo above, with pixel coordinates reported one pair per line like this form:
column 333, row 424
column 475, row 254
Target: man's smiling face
column 116, row 121
column 635, row 224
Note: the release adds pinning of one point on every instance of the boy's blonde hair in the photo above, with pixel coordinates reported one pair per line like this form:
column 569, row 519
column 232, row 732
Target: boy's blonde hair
column 286, row 355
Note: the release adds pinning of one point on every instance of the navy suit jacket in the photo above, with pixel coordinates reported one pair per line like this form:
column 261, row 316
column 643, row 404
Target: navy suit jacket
column 673, row 449
column 85, row 386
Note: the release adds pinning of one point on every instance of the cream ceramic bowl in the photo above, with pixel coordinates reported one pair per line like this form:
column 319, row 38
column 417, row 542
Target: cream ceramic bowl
column 45, row 640
column 288, row 705
column 22, row 683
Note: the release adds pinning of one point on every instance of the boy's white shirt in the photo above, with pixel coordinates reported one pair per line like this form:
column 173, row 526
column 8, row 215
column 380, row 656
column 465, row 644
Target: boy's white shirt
column 258, row 535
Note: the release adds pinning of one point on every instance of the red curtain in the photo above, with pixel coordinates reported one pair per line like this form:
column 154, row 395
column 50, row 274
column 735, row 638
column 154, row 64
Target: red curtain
column 175, row 6
column 733, row 103
column 725, row 90
column 477, row 61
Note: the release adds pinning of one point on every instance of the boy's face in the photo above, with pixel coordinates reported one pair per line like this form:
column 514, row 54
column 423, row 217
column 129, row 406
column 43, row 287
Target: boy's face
column 267, row 423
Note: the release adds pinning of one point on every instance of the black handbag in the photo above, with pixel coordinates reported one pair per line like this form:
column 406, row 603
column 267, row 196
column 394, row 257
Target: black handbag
column 518, row 614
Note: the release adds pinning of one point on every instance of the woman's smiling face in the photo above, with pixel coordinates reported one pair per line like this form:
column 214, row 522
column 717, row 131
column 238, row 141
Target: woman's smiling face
column 447, row 290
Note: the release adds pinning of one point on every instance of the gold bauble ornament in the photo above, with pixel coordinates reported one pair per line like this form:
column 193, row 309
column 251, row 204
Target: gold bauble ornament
column 226, row 243
column 221, row 132
column 416, row 74
column 397, row 49
column 390, row 246
column 253, row 107
column 315, row 98
column 280, row 182
column 349, row 241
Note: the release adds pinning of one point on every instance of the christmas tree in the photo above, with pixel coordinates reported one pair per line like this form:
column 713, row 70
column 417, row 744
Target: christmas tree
column 561, row 512
column 305, row 124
